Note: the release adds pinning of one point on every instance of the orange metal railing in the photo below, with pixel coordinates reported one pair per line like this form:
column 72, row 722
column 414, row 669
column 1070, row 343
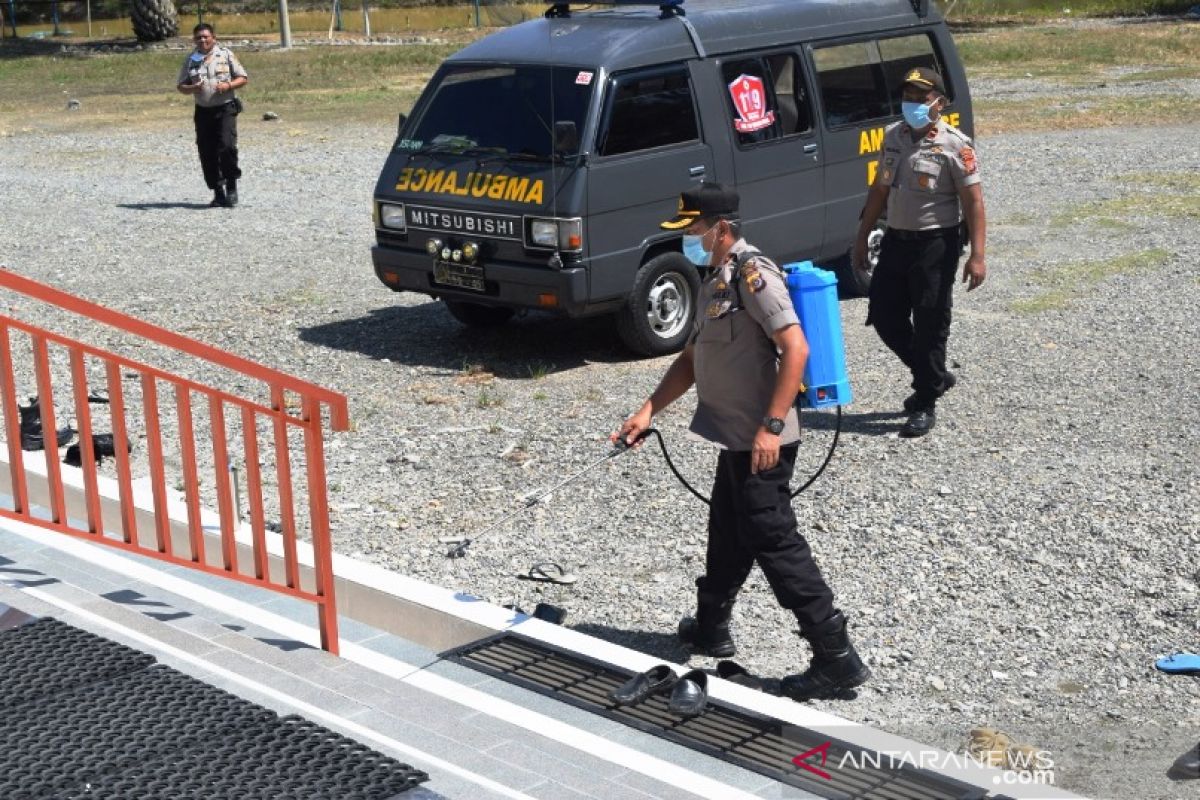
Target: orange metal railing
column 157, row 387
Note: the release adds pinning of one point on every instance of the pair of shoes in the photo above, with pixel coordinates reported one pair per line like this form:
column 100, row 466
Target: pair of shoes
column 32, row 436
column 736, row 673
column 103, row 446
column 912, row 403
column 1187, row 766
column 920, row 423
column 690, row 695
column 835, row 668
column 707, row 633
column 642, row 685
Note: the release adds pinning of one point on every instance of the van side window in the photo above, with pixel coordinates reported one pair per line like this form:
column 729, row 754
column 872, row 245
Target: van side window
column 766, row 98
column 649, row 110
column 852, row 83
column 901, row 54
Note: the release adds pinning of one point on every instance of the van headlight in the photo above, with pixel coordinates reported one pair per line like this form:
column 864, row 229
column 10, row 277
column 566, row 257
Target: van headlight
column 559, row 234
column 392, row 216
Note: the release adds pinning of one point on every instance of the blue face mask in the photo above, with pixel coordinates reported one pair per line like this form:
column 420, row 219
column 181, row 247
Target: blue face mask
column 917, row 114
column 693, row 250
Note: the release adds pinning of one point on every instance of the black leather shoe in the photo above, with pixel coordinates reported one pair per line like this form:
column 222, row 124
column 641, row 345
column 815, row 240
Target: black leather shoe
column 690, row 695
column 736, row 673
column 32, row 435
column 912, row 403
column 1187, row 766
column 231, row 193
column 641, row 686
column 919, row 424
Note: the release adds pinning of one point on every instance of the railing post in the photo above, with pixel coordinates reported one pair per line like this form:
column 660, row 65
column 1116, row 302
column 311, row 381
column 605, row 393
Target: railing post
column 318, row 510
column 12, row 425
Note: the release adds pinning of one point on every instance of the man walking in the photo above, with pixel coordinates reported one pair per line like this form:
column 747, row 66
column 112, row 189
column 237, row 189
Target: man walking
column 211, row 74
column 746, row 357
column 928, row 181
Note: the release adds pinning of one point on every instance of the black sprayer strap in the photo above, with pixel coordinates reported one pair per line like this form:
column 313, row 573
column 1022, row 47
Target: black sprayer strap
column 667, row 456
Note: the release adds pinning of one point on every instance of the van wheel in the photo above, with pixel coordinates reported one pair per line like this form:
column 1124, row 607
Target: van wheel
column 474, row 315
column 657, row 317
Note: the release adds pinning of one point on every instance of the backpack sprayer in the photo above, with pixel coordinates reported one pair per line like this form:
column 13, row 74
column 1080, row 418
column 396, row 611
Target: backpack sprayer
column 814, row 294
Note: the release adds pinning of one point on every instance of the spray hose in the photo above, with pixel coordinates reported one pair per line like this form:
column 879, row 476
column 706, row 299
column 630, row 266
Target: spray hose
column 837, row 431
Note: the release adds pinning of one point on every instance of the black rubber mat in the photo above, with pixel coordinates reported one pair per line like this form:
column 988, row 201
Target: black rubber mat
column 119, row 726
column 755, row 742
column 46, row 657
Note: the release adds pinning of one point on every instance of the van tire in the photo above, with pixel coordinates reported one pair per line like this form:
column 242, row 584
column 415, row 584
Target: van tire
column 474, row 315
column 658, row 314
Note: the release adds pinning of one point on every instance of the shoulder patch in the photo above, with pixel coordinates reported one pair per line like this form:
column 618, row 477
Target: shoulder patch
column 967, row 154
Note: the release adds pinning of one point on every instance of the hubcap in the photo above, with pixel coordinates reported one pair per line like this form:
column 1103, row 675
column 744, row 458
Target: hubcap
column 669, row 305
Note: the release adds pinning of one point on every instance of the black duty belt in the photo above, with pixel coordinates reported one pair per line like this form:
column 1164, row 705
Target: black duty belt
column 917, row 236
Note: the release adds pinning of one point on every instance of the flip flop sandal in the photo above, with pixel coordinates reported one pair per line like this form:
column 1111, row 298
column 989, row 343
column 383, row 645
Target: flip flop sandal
column 549, row 572
column 1180, row 664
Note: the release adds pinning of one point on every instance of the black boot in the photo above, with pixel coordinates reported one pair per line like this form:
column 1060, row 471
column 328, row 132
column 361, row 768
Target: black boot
column 707, row 633
column 231, row 193
column 835, row 665
column 31, row 428
column 220, row 198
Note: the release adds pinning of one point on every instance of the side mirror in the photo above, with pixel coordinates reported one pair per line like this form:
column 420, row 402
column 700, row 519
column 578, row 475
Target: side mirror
column 566, row 137
column 400, row 123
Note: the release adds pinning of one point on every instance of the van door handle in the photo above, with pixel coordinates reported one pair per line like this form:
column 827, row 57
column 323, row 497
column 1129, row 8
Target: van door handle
column 810, row 149
column 696, row 172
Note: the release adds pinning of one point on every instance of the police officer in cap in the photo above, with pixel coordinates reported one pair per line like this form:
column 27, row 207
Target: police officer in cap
column 746, row 357
column 928, row 181
column 211, row 74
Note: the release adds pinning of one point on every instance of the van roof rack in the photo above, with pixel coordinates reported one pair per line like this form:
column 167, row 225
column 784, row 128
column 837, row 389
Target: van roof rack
column 669, row 8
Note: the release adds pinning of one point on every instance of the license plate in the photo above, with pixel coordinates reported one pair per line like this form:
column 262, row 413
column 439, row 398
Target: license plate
column 462, row 276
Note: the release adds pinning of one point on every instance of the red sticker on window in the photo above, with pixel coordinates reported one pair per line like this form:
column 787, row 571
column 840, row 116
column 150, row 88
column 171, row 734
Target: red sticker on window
column 750, row 99
column 584, row 78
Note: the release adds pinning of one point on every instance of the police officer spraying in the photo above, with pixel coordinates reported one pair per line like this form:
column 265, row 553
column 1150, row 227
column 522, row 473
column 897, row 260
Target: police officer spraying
column 211, row 74
column 928, row 181
column 746, row 356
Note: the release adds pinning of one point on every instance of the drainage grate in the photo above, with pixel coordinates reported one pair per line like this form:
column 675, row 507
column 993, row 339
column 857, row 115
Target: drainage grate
column 116, row 725
column 761, row 744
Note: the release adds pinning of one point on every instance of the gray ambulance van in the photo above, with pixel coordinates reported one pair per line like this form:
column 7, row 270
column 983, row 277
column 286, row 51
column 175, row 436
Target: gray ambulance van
column 538, row 162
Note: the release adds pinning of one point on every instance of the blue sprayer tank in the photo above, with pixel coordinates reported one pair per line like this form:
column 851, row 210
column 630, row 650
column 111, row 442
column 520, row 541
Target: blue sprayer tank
column 814, row 294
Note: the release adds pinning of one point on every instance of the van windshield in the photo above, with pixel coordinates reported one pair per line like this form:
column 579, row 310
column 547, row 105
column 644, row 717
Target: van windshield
column 508, row 112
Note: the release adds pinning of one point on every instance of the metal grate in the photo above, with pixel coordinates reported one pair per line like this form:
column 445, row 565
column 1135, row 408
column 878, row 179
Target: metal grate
column 758, row 743
column 90, row 718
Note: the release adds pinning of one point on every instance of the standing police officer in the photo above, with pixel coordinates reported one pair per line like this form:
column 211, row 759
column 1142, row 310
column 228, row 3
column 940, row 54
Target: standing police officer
column 211, row 74
column 746, row 357
column 928, row 181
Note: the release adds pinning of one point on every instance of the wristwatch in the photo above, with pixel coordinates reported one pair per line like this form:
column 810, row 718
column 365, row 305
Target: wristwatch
column 774, row 425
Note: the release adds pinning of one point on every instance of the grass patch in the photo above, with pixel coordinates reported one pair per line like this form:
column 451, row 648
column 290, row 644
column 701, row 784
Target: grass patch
column 344, row 83
column 1025, row 10
column 1064, row 52
column 1115, row 212
column 1082, row 111
column 1061, row 283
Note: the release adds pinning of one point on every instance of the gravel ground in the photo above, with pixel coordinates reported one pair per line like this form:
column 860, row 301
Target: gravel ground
column 1021, row 567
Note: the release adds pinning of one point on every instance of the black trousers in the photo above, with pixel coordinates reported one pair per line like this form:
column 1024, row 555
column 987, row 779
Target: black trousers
column 216, row 141
column 910, row 300
column 751, row 520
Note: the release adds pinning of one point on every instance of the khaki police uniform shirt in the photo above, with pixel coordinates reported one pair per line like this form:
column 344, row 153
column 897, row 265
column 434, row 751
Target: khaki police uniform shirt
column 221, row 66
column 735, row 358
column 926, row 175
